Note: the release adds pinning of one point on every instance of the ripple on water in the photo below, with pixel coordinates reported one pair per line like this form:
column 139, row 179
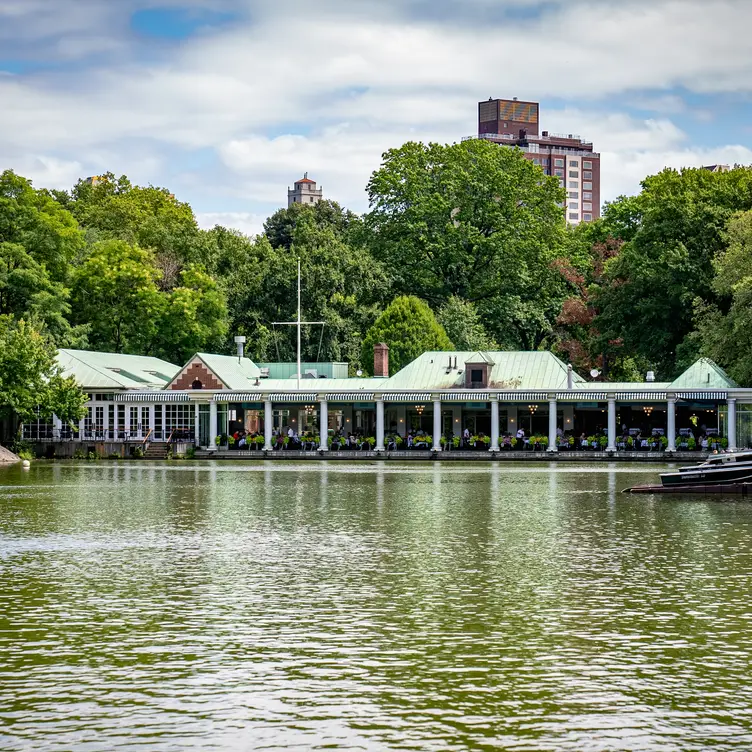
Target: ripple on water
column 369, row 607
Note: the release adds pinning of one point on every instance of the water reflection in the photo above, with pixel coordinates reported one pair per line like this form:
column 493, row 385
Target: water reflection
column 282, row 606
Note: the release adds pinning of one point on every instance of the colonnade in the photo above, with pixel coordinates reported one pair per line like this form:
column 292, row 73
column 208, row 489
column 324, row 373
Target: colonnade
column 495, row 432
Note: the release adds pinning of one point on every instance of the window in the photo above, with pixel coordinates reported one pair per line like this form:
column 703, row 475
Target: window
column 573, row 194
column 179, row 417
column 587, row 217
column 558, row 163
column 561, row 183
column 573, row 184
column 574, row 215
column 310, row 199
column 536, row 161
column 559, row 173
column 587, row 196
column 587, row 176
column 587, row 165
column 587, row 207
column 294, row 199
column 574, row 163
column 545, row 160
column 574, row 205
column 587, row 186
column 476, row 375
column 574, row 174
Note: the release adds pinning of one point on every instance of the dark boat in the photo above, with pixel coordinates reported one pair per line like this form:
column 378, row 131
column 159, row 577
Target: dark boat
column 718, row 470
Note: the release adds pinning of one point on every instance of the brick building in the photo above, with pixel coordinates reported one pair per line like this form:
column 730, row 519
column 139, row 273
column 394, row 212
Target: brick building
column 511, row 122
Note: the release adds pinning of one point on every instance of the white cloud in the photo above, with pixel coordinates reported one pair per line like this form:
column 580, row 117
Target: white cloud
column 246, row 222
column 343, row 82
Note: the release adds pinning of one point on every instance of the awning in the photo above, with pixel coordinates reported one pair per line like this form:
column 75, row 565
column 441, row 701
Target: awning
column 407, row 397
column 702, row 396
column 466, row 397
column 152, row 397
column 350, row 397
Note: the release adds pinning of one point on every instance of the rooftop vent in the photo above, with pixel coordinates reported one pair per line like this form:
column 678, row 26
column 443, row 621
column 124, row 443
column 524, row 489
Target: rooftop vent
column 650, row 376
column 264, row 373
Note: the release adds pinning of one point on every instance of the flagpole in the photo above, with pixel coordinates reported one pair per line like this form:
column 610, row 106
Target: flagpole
column 298, row 323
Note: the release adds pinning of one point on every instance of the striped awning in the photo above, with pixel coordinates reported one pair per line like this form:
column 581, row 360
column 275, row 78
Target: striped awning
column 702, row 396
column 408, row 397
column 153, row 397
column 524, row 397
column 641, row 396
column 238, row 397
column 466, row 397
column 581, row 396
column 294, row 397
column 350, row 397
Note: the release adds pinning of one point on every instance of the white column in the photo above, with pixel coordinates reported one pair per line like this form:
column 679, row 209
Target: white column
column 552, row 416
column 731, row 424
column 212, row 427
column 196, row 424
column 379, row 425
column 611, row 425
column 671, row 425
column 437, row 425
column 323, row 425
column 81, row 424
column 164, row 424
column 151, row 420
column 268, row 426
column 494, row 426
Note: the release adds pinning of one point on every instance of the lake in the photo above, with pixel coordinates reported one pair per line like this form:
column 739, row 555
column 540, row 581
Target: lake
column 348, row 606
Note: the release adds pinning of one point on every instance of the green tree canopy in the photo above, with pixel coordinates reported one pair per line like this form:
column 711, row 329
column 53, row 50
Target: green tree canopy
column 463, row 325
column 675, row 228
column 30, row 378
column 280, row 228
column 410, row 328
column 35, row 222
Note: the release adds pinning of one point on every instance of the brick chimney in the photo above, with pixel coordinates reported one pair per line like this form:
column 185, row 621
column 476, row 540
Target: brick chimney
column 381, row 360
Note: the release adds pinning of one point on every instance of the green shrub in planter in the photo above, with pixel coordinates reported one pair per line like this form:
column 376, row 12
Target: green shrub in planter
column 691, row 444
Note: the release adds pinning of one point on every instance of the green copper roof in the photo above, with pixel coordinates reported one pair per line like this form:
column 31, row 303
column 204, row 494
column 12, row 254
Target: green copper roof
column 233, row 372
column 704, row 374
column 510, row 370
column 97, row 370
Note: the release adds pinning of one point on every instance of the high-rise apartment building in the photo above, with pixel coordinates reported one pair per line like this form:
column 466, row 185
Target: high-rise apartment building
column 304, row 192
column 510, row 122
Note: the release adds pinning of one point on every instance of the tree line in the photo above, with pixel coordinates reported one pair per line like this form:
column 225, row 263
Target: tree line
column 463, row 246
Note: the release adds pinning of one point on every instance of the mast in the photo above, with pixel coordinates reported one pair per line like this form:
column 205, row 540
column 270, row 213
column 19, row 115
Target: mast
column 298, row 323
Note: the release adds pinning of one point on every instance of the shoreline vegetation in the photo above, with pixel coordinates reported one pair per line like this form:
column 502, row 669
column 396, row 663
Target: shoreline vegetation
column 462, row 246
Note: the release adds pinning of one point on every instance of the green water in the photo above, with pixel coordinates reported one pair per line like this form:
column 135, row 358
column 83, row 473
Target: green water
column 365, row 607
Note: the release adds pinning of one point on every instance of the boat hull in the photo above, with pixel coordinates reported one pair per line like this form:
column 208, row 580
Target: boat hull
column 708, row 476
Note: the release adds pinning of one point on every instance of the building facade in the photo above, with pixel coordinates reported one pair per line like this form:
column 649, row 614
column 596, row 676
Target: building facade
column 304, row 192
column 514, row 123
column 137, row 402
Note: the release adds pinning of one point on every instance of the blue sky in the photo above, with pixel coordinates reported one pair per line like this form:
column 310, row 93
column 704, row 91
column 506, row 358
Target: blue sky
column 227, row 102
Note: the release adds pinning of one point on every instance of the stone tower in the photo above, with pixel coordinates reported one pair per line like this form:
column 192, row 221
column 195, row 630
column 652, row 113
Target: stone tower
column 305, row 192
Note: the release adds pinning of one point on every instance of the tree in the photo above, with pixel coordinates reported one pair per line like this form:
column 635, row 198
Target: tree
column 30, row 379
column 410, row 328
column 342, row 285
column 280, row 228
column 149, row 217
column 114, row 291
column 35, row 222
column 463, row 326
column 26, row 291
column 473, row 220
column 727, row 337
column 676, row 227
column 193, row 317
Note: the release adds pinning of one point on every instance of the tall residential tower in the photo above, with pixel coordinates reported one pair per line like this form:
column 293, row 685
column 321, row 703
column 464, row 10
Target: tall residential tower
column 510, row 122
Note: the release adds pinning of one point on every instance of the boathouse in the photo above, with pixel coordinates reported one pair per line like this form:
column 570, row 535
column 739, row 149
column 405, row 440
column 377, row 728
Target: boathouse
column 135, row 402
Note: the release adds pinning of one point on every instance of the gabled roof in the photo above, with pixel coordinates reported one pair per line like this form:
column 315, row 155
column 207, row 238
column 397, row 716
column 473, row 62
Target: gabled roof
column 480, row 357
column 704, row 374
column 97, row 370
column 304, row 180
column 510, row 370
column 233, row 372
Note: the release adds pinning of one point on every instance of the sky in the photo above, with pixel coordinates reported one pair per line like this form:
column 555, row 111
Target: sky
column 228, row 102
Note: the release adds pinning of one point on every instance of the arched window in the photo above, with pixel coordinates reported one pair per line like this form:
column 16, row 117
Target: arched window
column 197, row 384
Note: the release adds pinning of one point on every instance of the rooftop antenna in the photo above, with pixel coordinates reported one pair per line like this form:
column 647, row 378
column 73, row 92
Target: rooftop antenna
column 297, row 323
